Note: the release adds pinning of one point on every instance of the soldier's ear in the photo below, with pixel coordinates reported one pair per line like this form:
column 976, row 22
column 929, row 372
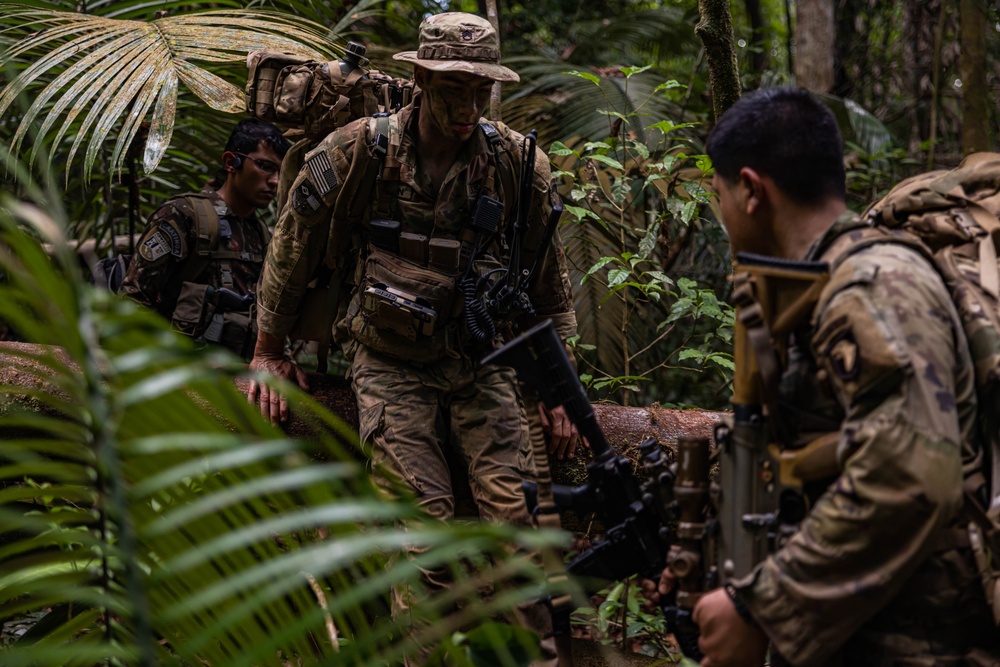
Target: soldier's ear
column 231, row 161
column 753, row 194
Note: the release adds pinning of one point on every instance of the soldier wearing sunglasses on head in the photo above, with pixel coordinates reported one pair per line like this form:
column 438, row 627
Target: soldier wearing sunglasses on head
column 199, row 258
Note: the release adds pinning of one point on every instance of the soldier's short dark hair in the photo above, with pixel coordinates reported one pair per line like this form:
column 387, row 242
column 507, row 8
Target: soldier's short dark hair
column 787, row 134
column 249, row 132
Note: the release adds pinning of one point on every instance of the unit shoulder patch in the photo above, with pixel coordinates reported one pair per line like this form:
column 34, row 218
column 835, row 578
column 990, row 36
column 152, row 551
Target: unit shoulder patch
column 163, row 240
column 305, row 199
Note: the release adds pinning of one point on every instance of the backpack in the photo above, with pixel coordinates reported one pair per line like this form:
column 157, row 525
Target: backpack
column 956, row 217
column 314, row 98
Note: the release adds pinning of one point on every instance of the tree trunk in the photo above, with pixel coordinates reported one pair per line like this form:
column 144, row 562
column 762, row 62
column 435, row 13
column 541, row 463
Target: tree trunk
column 815, row 33
column 975, row 91
column 715, row 29
column 624, row 428
column 494, row 18
column 920, row 21
column 759, row 49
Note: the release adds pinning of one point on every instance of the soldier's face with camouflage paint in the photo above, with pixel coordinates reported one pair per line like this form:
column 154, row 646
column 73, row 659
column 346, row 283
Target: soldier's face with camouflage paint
column 255, row 183
column 455, row 100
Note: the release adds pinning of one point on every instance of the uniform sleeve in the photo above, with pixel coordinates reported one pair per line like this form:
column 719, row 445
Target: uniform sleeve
column 298, row 245
column 162, row 250
column 551, row 293
column 886, row 339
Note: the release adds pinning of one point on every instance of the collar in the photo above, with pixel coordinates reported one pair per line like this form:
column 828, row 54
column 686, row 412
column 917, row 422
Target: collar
column 221, row 207
column 845, row 222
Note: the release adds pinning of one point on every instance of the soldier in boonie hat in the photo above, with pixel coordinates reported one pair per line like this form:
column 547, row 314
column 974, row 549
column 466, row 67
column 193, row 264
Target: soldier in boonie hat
column 459, row 42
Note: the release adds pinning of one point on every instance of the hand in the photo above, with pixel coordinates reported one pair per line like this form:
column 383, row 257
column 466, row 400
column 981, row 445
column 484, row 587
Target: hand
column 273, row 405
column 726, row 639
column 656, row 591
column 561, row 431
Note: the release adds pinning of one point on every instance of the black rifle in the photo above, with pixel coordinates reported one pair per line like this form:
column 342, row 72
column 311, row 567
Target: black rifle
column 508, row 295
column 638, row 517
column 226, row 301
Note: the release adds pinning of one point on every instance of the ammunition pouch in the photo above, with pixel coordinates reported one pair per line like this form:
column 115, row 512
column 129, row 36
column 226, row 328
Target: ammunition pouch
column 403, row 309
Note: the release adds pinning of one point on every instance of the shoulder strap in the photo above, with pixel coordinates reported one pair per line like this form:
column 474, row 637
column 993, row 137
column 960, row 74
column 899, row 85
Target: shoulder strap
column 355, row 192
column 384, row 146
column 501, row 160
column 206, row 233
column 351, row 205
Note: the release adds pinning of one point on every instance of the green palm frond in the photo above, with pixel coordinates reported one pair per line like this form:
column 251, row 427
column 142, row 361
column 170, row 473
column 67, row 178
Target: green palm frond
column 119, row 70
column 151, row 517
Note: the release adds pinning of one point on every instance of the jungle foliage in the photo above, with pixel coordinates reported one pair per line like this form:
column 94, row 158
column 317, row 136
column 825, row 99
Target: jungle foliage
column 150, row 516
column 156, row 530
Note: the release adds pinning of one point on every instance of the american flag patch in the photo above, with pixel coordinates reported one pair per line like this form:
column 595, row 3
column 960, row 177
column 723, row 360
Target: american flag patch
column 322, row 173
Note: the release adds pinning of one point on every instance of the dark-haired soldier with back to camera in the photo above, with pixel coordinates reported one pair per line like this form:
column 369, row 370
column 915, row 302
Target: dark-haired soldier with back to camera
column 881, row 570
column 199, row 259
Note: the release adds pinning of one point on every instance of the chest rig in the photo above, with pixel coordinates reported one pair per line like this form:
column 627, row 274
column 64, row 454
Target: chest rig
column 210, row 310
column 412, row 287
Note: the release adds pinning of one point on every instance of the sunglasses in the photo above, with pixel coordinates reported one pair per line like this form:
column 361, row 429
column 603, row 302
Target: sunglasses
column 265, row 166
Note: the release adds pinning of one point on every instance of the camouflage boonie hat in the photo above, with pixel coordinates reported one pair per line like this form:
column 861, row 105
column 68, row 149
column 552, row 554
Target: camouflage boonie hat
column 459, row 42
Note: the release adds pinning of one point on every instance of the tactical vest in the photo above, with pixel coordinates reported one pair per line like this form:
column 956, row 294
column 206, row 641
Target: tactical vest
column 202, row 311
column 408, row 300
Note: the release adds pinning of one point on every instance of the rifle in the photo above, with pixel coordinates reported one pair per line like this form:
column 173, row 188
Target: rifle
column 508, row 295
column 639, row 517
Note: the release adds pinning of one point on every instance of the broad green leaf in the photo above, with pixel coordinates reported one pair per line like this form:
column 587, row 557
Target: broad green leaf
column 560, row 149
column 614, row 114
column 593, row 78
column 688, row 212
column 630, row 71
column 669, row 85
column 579, row 213
column 604, row 159
column 618, row 276
column 600, row 264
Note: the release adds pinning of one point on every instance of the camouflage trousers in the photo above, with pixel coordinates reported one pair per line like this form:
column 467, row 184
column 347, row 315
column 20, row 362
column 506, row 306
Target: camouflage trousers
column 411, row 416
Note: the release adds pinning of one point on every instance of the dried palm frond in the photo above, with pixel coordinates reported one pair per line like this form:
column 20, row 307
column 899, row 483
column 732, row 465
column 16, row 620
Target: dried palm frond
column 118, row 70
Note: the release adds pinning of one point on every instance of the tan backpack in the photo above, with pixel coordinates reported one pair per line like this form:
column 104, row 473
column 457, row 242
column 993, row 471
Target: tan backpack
column 315, row 98
column 956, row 216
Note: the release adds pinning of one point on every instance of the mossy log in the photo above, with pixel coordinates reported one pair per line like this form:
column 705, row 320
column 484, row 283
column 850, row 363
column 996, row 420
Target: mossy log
column 624, row 427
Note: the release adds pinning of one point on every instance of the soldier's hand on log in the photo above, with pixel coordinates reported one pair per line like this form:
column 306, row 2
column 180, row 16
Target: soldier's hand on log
column 268, row 357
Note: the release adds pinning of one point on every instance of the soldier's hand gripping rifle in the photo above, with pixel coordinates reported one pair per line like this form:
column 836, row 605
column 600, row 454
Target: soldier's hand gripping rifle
column 638, row 517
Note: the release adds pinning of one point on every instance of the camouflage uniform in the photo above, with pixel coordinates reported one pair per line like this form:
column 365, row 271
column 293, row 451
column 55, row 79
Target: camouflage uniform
column 880, row 572
column 156, row 275
column 409, row 412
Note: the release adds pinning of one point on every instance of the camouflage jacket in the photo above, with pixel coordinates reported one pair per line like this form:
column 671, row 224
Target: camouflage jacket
column 879, row 570
column 166, row 245
column 297, row 249
column 156, row 274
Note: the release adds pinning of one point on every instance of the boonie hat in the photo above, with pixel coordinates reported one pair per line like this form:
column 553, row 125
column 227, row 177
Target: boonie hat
column 459, row 42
